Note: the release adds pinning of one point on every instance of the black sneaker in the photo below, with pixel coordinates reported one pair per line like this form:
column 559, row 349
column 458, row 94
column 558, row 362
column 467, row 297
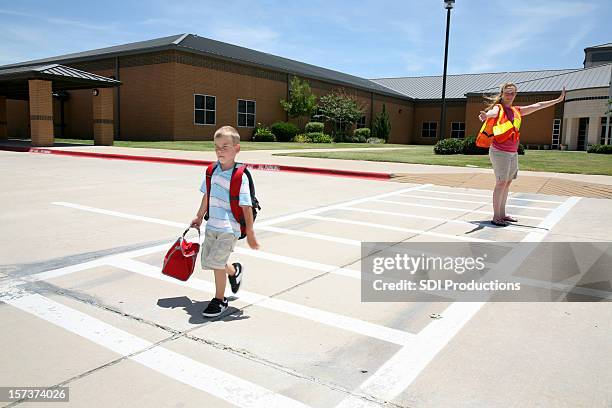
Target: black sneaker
column 215, row 307
column 236, row 280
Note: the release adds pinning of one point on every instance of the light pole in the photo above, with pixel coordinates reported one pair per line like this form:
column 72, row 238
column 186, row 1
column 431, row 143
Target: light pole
column 448, row 5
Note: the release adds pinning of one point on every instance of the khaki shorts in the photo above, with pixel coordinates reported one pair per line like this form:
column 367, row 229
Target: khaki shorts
column 217, row 248
column 505, row 164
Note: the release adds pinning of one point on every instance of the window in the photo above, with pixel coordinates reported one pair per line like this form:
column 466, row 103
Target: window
column 204, row 109
column 457, row 130
column 603, row 131
column 556, row 134
column 246, row 113
column 361, row 123
column 429, row 129
column 583, row 127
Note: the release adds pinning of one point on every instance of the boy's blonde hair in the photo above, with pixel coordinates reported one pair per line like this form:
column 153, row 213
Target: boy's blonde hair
column 228, row 131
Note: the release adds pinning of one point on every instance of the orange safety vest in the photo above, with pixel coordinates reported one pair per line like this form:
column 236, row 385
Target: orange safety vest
column 500, row 128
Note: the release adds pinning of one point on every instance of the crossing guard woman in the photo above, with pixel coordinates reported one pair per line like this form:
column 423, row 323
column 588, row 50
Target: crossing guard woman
column 501, row 132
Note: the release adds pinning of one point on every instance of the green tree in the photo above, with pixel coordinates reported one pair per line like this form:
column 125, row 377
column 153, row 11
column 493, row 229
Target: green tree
column 381, row 126
column 301, row 100
column 342, row 110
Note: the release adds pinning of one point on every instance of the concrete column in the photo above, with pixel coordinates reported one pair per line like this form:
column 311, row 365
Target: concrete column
column 3, row 124
column 41, row 112
column 593, row 132
column 104, row 127
column 570, row 133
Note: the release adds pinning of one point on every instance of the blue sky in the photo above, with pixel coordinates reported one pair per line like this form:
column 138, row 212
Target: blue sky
column 371, row 39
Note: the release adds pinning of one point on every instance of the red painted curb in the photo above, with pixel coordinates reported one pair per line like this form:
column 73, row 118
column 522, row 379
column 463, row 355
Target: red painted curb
column 191, row 162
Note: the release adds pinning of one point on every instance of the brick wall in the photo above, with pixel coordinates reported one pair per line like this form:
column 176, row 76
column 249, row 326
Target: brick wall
column 227, row 88
column 18, row 119
column 430, row 112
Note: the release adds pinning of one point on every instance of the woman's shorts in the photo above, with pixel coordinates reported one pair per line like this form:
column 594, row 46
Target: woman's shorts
column 505, row 164
column 217, row 248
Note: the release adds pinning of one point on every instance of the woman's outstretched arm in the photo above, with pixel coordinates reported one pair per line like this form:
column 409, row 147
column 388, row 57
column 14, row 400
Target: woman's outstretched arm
column 492, row 113
column 526, row 110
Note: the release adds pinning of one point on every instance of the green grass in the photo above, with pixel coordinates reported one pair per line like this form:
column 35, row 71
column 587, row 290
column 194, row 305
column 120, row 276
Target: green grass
column 534, row 160
column 210, row 146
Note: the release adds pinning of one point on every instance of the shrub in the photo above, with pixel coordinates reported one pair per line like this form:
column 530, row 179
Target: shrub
column 342, row 138
column 599, row 148
column 362, row 133
column 449, row 146
column 257, row 126
column 469, row 146
column 301, row 101
column 284, row 131
column 314, row 127
column 263, row 134
column 381, row 126
column 354, row 139
column 341, row 110
column 320, row 137
column 302, row 138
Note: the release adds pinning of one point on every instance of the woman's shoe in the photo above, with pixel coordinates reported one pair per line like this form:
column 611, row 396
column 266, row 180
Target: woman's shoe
column 499, row 223
column 510, row 219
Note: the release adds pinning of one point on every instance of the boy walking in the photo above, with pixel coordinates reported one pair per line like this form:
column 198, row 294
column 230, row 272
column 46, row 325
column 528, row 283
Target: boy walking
column 222, row 228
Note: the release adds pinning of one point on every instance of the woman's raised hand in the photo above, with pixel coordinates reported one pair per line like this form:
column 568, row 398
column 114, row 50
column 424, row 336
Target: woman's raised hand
column 562, row 97
column 482, row 116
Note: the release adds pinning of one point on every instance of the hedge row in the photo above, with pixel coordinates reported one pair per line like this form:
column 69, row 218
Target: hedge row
column 464, row 146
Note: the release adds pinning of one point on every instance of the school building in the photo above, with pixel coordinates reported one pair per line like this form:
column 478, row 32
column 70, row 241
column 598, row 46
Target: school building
column 184, row 86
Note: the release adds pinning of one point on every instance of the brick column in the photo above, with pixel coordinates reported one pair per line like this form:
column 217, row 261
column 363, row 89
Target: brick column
column 41, row 112
column 104, row 128
column 3, row 124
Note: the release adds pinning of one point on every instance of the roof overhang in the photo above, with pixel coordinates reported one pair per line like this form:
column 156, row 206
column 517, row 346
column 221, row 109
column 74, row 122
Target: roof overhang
column 14, row 81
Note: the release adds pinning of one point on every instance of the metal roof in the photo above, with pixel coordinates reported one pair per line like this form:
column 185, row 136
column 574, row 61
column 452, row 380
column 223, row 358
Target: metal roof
column 457, row 86
column 593, row 77
column 14, row 81
column 205, row 46
column 262, row 59
column 103, row 52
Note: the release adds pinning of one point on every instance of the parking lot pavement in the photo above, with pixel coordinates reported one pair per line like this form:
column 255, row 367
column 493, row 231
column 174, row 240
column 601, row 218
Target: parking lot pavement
column 83, row 303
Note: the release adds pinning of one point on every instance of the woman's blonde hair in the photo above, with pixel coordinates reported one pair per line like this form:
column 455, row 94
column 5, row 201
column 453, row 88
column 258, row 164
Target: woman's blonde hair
column 495, row 99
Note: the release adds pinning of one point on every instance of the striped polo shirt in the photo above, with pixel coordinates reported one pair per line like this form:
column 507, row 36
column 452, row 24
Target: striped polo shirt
column 220, row 217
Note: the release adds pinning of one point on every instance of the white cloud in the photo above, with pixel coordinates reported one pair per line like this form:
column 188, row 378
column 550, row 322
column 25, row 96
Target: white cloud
column 60, row 21
column 576, row 39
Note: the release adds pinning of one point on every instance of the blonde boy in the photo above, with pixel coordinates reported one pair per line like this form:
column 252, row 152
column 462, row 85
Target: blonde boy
column 222, row 229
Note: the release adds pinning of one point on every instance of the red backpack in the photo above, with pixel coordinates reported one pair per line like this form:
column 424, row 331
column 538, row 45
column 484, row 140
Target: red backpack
column 234, row 194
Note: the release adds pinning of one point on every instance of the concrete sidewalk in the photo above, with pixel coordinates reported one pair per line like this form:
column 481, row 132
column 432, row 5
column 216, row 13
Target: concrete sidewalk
column 596, row 186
